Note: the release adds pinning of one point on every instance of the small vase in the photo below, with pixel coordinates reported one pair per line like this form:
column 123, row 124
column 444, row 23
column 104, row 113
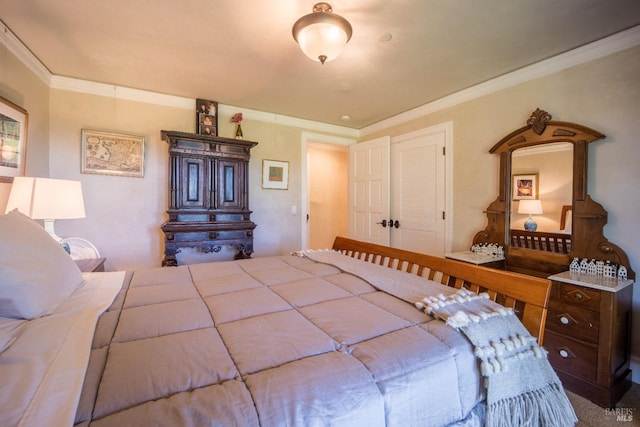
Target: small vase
column 239, row 131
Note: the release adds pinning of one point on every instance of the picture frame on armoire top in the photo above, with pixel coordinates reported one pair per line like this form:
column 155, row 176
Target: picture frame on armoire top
column 206, row 117
column 13, row 140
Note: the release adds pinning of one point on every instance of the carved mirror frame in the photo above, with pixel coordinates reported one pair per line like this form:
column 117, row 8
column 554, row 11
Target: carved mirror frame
column 589, row 217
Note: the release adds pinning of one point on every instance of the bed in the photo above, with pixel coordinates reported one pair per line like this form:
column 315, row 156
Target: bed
column 358, row 335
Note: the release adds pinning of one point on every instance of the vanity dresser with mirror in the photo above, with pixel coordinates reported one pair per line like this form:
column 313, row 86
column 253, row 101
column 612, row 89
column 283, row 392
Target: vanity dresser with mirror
column 588, row 327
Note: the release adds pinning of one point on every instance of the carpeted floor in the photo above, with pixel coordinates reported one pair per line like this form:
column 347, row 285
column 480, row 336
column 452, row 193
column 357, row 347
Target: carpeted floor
column 626, row 413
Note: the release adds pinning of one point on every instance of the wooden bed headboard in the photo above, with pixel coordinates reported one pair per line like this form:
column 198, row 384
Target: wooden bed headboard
column 527, row 295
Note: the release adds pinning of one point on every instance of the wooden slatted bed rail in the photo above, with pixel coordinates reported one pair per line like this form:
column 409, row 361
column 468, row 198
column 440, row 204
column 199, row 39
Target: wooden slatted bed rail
column 527, row 295
column 541, row 241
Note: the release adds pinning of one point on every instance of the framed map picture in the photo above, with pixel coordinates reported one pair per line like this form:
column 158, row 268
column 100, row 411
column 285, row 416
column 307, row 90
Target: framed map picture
column 275, row 174
column 13, row 140
column 111, row 153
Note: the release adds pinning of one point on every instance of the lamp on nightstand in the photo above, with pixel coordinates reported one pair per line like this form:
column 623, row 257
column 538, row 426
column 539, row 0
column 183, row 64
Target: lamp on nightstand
column 47, row 199
column 530, row 207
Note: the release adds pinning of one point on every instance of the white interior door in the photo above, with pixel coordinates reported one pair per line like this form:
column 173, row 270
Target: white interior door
column 418, row 191
column 369, row 165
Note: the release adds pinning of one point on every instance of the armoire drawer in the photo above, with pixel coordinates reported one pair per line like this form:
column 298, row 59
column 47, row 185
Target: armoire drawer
column 576, row 295
column 572, row 321
column 576, row 358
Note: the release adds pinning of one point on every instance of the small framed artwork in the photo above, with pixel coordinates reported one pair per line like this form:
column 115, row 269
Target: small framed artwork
column 525, row 187
column 111, row 153
column 13, row 140
column 206, row 117
column 275, row 174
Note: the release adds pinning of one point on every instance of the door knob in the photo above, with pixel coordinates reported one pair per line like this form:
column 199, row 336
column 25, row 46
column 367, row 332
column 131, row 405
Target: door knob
column 384, row 223
column 393, row 223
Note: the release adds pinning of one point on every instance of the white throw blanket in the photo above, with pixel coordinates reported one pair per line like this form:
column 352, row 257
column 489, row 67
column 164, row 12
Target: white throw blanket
column 522, row 388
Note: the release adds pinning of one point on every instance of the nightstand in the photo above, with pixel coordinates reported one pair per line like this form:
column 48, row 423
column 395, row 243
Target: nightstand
column 91, row 265
column 588, row 335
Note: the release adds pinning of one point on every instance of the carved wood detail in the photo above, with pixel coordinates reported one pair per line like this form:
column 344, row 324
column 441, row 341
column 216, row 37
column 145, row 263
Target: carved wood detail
column 589, row 217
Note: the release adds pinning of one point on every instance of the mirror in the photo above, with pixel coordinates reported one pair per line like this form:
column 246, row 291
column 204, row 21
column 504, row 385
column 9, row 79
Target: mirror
column 542, row 179
column 547, row 161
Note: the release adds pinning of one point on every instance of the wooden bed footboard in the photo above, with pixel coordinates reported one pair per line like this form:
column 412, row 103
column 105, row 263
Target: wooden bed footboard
column 527, row 295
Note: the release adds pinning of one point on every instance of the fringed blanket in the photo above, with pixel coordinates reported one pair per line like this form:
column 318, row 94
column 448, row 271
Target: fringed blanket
column 522, row 388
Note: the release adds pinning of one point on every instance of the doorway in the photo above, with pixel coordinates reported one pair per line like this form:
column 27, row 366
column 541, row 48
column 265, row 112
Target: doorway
column 327, row 171
column 325, row 192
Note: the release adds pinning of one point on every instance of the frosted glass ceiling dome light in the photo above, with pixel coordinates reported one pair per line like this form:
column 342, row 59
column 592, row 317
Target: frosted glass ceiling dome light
column 322, row 35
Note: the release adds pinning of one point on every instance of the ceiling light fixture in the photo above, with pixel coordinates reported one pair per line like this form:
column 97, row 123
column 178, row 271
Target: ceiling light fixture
column 322, row 35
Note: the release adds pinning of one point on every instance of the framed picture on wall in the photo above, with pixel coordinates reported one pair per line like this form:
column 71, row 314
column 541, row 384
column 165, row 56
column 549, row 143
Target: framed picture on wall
column 112, row 153
column 525, row 187
column 275, row 174
column 13, row 140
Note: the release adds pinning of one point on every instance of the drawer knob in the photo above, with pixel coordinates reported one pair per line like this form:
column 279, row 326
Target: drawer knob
column 564, row 354
column 577, row 296
column 564, row 320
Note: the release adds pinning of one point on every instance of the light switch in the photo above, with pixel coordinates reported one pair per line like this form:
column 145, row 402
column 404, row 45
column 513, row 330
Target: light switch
column 294, row 209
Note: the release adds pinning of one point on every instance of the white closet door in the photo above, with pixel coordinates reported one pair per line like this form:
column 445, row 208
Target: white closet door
column 369, row 190
column 418, row 191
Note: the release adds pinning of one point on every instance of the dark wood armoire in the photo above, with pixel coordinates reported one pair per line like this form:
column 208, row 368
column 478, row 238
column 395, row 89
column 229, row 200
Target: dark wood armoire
column 208, row 195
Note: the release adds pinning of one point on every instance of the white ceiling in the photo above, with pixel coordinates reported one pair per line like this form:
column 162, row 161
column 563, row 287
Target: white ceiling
column 241, row 52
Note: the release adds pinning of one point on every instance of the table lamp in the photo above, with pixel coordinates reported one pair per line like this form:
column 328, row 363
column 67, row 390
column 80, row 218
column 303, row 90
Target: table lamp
column 530, row 207
column 47, row 199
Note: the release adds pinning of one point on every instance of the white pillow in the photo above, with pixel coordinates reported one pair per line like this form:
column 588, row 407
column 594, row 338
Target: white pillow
column 36, row 273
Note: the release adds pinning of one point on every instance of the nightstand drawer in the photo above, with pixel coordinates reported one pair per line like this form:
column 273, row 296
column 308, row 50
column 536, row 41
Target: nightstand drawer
column 576, row 295
column 572, row 321
column 576, row 358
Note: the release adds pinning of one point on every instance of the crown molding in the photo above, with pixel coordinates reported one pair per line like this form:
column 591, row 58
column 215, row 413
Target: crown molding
column 120, row 92
column 263, row 116
column 24, row 55
column 598, row 49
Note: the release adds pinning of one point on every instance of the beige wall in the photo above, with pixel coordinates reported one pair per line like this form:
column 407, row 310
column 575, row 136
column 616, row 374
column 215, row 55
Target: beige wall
column 124, row 214
column 603, row 94
column 20, row 86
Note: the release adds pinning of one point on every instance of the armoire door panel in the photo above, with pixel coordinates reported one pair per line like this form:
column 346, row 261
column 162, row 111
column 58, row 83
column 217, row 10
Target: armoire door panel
column 231, row 184
column 193, row 188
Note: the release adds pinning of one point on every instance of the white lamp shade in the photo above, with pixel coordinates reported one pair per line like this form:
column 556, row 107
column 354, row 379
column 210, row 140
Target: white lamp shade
column 530, row 207
column 45, row 198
